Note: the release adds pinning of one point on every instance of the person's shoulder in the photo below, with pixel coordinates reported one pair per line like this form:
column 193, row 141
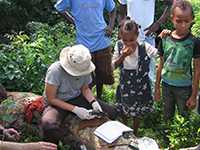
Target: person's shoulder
column 55, row 67
column 194, row 38
column 143, row 44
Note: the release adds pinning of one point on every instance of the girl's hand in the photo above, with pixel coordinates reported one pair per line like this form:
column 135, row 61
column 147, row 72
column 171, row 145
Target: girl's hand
column 164, row 33
column 127, row 51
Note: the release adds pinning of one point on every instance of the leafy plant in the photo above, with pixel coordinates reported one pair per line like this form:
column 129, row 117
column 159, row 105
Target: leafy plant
column 15, row 14
column 184, row 132
column 25, row 61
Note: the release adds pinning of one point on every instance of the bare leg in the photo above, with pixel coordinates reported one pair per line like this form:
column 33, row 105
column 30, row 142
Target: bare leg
column 136, row 124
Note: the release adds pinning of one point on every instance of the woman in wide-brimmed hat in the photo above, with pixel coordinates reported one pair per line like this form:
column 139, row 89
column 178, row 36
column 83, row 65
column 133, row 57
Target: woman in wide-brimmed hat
column 67, row 90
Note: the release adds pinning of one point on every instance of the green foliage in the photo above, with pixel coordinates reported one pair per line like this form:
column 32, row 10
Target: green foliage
column 159, row 11
column 61, row 146
column 184, row 132
column 108, row 94
column 15, row 14
column 196, row 26
column 25, row 61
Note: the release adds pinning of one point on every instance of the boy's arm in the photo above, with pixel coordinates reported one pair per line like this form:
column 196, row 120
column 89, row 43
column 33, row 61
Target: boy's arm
column 191, row 102
column 158, row 79
column 51, row 94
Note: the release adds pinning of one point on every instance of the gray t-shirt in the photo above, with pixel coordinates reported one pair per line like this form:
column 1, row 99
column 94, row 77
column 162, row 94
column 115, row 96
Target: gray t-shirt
column 68, row 86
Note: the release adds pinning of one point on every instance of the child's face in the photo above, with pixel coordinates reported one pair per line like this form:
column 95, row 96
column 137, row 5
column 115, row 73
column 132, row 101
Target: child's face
column 182, row 20
column 129, row 38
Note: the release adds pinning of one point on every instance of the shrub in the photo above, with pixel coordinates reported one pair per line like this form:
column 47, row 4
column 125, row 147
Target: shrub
column 184, row 132
column 25, row 61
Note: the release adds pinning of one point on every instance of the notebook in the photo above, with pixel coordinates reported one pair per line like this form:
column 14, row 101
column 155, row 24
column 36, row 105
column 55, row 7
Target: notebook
column 111, row 130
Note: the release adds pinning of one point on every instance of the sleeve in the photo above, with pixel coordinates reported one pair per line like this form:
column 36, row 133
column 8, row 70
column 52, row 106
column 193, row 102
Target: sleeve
column 196, row 50
column 62, row 5
column 109, row 5
column 122, row 2
column 53, row 76
column 151, row 50
column 115, row 54
column 88, row 79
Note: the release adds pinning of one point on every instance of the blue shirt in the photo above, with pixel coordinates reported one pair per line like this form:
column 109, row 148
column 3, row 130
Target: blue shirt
column 89, row 21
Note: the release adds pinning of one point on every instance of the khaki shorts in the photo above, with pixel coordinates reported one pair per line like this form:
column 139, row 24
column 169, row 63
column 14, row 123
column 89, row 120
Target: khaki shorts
column 102, row 59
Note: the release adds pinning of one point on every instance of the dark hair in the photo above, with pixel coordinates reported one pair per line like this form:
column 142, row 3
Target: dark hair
column 129, row 25
column 183, row 5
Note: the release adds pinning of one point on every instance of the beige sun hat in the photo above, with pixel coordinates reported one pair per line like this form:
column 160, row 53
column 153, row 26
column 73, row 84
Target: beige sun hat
column 76, row 60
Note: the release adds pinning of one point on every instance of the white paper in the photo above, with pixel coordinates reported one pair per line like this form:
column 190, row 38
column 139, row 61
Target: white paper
column 147, row 143
column 111, row 130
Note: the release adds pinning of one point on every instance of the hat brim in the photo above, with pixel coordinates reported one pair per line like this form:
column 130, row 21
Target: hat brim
column 69, row 69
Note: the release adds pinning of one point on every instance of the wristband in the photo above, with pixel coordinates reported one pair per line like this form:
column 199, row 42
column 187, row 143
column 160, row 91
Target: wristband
column 94, row 100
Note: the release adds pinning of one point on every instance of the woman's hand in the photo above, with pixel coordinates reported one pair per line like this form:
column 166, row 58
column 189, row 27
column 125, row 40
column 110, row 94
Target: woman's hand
column 96, row 106
column 83, row 113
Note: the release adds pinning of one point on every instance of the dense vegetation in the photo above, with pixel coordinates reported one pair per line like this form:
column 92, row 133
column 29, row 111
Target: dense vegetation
column 26, row 55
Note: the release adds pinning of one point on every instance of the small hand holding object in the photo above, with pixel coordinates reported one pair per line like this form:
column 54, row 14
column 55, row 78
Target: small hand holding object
column 11, row 134
column 127, row 51
column 164, row 33
column 83, row 113
column 96, row 106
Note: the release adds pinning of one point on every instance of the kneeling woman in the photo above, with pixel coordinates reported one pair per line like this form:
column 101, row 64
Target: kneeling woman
column 67, row 91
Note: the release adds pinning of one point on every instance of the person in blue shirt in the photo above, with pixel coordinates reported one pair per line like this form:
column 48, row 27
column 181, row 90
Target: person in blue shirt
column 93, row 32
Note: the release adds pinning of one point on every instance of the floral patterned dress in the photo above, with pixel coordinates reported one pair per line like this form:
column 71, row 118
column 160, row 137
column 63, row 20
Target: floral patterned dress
column 134, row 90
